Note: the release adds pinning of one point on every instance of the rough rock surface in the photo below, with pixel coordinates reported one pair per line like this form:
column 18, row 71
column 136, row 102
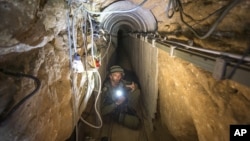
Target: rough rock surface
column 48, row 114
column 192, row 105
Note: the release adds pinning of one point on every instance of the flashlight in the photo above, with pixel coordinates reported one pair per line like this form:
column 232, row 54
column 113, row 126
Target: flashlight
column 119, row 93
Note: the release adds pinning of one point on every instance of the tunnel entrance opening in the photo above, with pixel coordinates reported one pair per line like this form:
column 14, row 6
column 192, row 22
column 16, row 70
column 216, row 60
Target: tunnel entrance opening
column 122, row 58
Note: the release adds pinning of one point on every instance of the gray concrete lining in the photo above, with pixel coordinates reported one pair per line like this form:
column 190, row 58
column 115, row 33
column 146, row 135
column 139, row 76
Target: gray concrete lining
column 140, row 20
column 206, row 61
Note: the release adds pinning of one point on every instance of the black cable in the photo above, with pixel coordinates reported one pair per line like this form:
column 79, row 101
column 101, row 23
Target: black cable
column 214, row 25
column 5, row 115
column 238, row 63
column 175, row 7
column 200, row 20
column 226, row 9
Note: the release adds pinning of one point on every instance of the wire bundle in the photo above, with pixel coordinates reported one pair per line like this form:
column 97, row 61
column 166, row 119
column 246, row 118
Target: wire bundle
column 175, row 5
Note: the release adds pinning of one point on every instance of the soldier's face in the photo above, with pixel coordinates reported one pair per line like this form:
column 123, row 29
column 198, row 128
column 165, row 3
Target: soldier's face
column 115, row 78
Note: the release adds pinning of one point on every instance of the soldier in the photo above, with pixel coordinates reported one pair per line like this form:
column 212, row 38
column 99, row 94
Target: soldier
column 120, row 98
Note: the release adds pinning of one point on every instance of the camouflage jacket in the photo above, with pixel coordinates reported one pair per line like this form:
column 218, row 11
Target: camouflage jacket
column 109, row 95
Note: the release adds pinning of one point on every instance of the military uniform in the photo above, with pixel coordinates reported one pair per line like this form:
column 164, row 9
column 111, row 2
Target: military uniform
column 127, row 110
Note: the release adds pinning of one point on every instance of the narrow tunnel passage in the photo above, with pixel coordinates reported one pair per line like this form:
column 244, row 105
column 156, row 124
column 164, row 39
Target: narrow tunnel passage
column 111, row 130
column 178, row 98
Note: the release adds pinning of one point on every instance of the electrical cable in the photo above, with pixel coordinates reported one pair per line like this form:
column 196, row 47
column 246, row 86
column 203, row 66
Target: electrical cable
column 73, row 35
column 86, row 115
column 92, row 36
column 85, row 45
column 96, row 101
column 93, row 54
column 238, row 63
column 106, row 52
column 84, row 36
column 175, row 7
column 215, row 24
column 4, row 116
column 69, row 39
column 73, row 24
column 118, row 11
column 69, row 26
column 230, row 55
column 187, row 15
column 205, row 18
column 178, row 6
column 241, row 58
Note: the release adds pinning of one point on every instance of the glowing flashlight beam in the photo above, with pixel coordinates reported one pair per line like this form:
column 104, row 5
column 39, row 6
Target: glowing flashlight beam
column 118, row 93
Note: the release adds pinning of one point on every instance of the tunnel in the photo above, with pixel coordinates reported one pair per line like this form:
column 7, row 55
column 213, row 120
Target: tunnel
column 188, row 59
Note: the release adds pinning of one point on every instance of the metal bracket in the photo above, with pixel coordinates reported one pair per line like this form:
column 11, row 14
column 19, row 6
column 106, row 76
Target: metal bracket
column 141, row 37
column 146, row 39
column 153, row 43
column 219, row 69
column 171, row 52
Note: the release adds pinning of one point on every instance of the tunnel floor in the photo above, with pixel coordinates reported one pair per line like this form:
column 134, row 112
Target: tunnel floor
column 111, row 130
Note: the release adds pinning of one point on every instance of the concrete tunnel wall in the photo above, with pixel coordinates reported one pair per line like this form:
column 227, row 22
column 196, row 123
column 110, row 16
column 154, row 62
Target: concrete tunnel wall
column 143, row 58
column 186, row 99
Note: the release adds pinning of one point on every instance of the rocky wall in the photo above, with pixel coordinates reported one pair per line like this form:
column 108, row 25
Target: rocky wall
column 194, row 106
column 47, row 115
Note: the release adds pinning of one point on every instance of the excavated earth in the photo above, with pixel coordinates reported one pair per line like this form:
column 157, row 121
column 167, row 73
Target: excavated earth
column 192, row 105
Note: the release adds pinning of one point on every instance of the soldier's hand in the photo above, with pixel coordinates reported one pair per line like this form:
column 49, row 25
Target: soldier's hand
column 132, row 86
column 120, row 100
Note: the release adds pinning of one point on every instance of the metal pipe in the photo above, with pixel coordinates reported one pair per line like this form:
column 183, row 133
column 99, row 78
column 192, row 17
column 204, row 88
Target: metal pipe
column 235, row 56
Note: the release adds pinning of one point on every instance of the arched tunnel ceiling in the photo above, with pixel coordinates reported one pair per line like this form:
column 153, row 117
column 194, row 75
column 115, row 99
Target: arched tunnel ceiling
column 139, row 20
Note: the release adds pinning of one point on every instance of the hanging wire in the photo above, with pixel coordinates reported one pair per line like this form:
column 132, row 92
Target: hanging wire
column 96, row 102
column 176, row 5
column 74, row 34
column 69, row 25
column 92, row 36
column 69, row 38
column 72, row 25
column 172, row 7
column 240, row 61
column 7, row 114
column 109, row 44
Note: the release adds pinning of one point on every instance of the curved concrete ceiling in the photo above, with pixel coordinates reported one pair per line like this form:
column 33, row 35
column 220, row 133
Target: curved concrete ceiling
column 139, row 20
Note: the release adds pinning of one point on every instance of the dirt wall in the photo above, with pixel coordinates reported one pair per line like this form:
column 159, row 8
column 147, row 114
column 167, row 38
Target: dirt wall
column 194, row 106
